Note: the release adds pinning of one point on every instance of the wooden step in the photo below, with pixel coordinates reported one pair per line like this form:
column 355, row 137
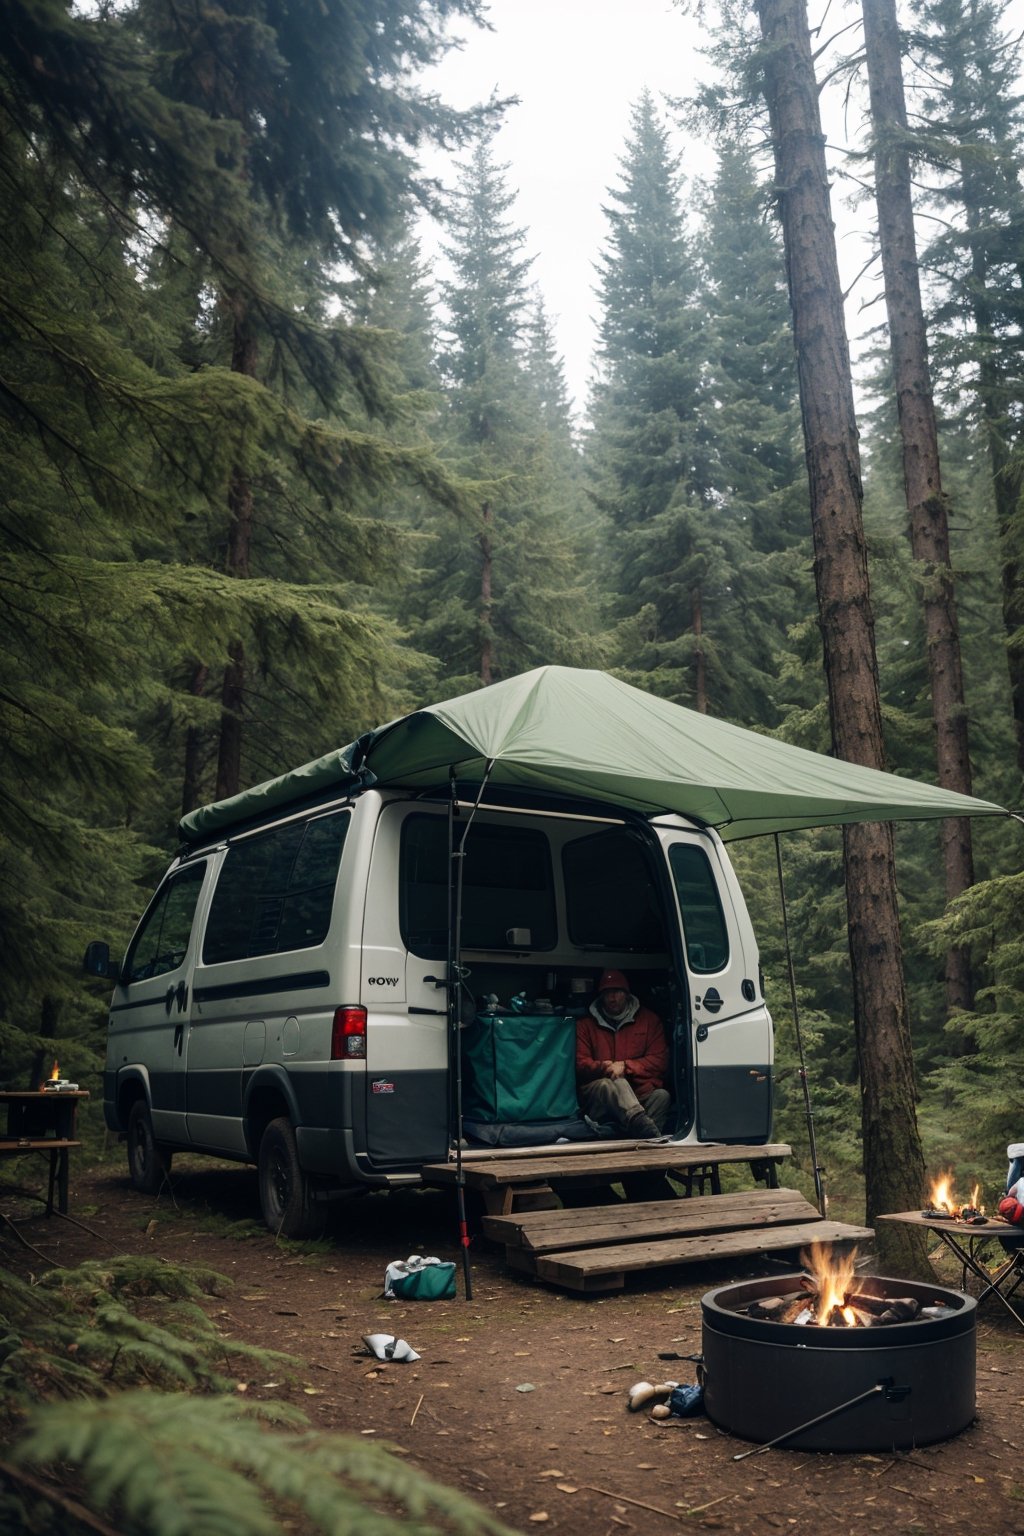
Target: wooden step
column 605, row 1269
column 603, row 1160
column 597, row 1226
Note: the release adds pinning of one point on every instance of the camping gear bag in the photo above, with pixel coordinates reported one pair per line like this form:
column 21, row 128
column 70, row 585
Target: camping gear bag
column 420, row 1279
column 519, row 1068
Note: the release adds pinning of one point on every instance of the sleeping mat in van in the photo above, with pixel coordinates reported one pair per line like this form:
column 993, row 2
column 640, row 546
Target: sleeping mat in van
column 519, row 1079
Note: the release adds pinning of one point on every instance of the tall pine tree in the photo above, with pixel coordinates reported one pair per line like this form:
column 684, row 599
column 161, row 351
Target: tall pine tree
column 649, row 465
column 971, row 128
column 751, row 416
column 505, row 590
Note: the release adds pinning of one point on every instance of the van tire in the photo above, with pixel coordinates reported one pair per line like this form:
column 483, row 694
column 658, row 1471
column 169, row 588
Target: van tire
column 148, row 1162
column 285, row 1196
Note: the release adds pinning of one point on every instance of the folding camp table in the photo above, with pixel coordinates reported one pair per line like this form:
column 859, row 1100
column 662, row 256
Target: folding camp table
column 964, row 1240
column 43, row 1122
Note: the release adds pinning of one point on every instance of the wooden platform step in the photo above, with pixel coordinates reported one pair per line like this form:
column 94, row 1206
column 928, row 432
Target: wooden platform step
column 605, row 1269
column 593, row 1249
column 595, row 1160
column 548, row 1231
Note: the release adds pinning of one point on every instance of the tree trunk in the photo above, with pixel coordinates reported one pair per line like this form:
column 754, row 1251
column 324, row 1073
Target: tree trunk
column 244, row 354
column 893, row 1160
column 486, row 600
column 192, row 776
column 700, row 670
column 926, row 504
column 42, row 1056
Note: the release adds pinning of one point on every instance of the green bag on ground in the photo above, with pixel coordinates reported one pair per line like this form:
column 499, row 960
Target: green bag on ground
column 420, row 1279
column 435, row 1282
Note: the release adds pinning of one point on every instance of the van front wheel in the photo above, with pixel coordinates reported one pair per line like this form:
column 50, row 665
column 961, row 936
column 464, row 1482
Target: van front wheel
column 148, row 1163
column 284, row 1188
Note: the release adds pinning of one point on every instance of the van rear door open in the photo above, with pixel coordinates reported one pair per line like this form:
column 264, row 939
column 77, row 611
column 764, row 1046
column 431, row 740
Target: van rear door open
column 403, row 988
column 732, row 1041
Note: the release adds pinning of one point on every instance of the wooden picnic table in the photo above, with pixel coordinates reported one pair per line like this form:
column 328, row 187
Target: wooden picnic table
column 42, row 1122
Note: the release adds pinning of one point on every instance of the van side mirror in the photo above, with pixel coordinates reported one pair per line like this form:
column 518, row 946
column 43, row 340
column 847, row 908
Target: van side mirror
column 97, row 961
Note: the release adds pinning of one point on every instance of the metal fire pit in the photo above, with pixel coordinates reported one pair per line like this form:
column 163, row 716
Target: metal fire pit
column 916, row 1380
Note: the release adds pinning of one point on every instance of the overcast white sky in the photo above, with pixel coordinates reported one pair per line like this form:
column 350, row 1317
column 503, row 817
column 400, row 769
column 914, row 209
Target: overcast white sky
column 577, row 66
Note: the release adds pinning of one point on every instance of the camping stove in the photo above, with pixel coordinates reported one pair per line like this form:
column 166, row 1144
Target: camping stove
column 885, row 1386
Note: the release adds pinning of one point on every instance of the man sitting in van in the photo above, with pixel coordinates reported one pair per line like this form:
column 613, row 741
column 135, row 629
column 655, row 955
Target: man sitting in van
column 622, row 1061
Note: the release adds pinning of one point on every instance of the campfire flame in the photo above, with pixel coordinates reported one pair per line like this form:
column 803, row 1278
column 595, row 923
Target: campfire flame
column 833, row 1275
column 943, row 1197
column 830, row 1295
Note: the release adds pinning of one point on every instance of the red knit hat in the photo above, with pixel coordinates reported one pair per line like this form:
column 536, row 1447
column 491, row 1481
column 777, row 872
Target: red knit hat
column 612, row 981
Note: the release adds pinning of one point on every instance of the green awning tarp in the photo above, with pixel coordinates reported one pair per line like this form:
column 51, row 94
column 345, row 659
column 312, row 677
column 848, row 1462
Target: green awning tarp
column 585, row 734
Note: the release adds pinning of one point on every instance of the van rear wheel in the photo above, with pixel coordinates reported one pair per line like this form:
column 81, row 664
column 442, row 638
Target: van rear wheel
column 148, row 1162
column 285, row 1196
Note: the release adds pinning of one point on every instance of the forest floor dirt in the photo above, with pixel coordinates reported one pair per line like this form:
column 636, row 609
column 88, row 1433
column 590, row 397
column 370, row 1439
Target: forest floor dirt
column 520, row 1395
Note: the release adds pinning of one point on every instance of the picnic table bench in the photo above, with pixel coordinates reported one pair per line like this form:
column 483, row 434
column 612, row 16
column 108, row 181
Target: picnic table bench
column 42, row 1122
column 594, row 1249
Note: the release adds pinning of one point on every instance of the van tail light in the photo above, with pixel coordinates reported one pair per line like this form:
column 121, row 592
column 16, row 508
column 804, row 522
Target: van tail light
column 348, row 1034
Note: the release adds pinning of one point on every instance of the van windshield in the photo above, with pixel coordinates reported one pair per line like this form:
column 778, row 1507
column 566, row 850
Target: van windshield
column 506, row 885
column 161, row 943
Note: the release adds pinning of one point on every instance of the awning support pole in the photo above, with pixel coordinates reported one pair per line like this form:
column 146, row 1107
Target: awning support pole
column 819, row 1187
column 455, row 999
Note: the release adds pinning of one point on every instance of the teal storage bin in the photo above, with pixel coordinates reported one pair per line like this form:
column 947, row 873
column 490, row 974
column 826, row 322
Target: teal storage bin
column 517, row 1068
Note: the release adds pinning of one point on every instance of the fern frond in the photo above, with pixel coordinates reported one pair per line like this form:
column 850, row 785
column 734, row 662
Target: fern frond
column 74, row 1334
column 174, row 1465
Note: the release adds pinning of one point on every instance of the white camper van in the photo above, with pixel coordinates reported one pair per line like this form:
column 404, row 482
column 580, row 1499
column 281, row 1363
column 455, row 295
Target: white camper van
column 291, row 996
column 283, row 1000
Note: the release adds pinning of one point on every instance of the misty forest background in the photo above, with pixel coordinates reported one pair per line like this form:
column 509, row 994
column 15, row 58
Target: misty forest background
column 268, row 479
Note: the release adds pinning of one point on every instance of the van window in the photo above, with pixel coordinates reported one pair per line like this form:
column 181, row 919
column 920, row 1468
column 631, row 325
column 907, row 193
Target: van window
column 275, row 892
column 161, row 943
column 704, row 928
column 610, row 896
column 506, row 883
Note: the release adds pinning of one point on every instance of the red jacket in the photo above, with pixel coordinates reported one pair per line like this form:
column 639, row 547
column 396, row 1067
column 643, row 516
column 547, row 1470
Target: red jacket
column 641, row 1044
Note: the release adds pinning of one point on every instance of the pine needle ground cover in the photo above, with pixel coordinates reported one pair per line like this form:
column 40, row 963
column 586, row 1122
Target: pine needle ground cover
column 518, row 1399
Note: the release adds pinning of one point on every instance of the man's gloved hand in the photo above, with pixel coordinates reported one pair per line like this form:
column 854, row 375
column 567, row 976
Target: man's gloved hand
column 1011, row 1210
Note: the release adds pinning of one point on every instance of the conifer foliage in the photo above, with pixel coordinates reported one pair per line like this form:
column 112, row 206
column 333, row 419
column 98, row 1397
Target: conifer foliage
column 971, row 129
column 185, row 404
column 505, row 590
column 650, row 475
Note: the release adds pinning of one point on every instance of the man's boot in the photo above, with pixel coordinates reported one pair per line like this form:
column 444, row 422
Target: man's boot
column 640, row 1127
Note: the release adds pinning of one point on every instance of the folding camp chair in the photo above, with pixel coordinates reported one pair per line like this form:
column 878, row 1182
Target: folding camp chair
column 1010, row 1274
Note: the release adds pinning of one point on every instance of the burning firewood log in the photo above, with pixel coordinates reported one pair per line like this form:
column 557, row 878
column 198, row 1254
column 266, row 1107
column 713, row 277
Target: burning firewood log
column 770, row 1306
column 904, row 1307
